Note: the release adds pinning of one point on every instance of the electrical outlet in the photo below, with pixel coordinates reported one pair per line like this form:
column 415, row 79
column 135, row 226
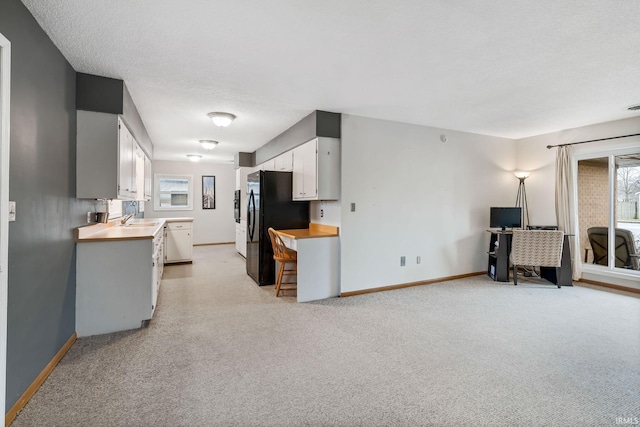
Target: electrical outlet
column 403, row 261
column 321, row 213
column 418, row 260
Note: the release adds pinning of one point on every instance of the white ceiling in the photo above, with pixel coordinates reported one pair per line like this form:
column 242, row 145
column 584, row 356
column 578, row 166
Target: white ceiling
column 510, row 68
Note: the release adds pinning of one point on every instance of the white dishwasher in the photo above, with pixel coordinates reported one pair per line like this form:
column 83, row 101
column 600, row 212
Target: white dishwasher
column 178, row 242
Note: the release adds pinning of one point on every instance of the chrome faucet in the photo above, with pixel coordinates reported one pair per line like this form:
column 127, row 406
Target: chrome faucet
column 124, row 219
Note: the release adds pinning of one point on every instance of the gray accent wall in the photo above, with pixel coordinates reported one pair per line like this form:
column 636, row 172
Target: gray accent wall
column 41, row 314
column 243, row 159
column 99, row 94
column 318, row 123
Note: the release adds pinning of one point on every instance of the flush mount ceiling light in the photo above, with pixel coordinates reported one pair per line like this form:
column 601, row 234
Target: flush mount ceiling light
column 208, row 144
column 222, row 119
column 194, row 157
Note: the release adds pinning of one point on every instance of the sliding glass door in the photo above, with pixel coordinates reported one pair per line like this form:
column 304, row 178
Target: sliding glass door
column 608, row 211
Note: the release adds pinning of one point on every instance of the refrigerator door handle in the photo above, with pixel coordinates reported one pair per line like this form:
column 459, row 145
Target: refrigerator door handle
column 252, row 215
column 249, row 214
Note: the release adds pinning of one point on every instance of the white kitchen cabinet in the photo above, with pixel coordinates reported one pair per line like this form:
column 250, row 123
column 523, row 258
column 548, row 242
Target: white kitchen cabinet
column 316, row 170
column 105, row 157
column 139, row 171
column 284, row 162
column 269, row 165
column 127, row 147
column 158, row 266
column 117, row 284
column 178, row 242
column 148, row 178
column 241, row 237
column 143, row 175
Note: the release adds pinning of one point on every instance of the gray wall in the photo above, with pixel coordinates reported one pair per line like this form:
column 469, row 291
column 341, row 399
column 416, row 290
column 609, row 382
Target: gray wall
column 318, row 123
column 41, row 314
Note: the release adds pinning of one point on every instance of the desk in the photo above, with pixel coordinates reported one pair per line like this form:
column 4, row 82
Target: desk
column 498, row 265
column 499, row 251
column 562, row 275
column 318, row 250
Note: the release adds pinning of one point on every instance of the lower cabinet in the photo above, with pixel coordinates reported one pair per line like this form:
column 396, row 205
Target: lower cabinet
column 158, row 265
column 117, row 284
column 178, row 242
column 241, row 237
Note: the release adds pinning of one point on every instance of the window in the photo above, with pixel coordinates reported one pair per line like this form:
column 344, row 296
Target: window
column 608, row 199
column 173, row 192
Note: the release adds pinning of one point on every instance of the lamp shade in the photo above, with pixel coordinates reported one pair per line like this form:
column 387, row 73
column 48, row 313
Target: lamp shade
column 221, row 119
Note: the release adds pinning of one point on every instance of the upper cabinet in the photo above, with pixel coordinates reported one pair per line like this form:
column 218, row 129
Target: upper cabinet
column 112, row 142
column 127, row 151
column 269, row 165
column 142, row 173
column 284, row 162
column 316, row 170
column 148, row 178
column 109, row 162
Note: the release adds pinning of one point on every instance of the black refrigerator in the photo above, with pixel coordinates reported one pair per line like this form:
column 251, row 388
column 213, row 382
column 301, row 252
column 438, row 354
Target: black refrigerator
column 269, row 204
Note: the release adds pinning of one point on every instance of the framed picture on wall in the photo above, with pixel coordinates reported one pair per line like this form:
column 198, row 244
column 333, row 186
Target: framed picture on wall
column 208, row 192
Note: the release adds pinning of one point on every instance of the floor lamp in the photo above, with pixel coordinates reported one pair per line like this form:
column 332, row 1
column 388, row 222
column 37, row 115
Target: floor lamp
column 521, row 198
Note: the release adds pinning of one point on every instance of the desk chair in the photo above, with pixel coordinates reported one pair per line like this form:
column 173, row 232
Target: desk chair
column 284, row 256
column 625, row 248
column 542, row 248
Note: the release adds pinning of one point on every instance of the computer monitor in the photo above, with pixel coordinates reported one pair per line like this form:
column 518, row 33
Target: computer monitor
column 505, row 218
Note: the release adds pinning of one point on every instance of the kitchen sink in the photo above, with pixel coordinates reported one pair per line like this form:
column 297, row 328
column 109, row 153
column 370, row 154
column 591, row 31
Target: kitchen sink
column 142, row 224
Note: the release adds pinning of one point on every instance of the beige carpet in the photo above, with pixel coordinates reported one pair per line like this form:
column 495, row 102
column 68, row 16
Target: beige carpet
column 222, row 351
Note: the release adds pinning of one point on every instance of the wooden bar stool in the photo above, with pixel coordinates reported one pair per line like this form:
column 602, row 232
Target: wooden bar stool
column 284, row 256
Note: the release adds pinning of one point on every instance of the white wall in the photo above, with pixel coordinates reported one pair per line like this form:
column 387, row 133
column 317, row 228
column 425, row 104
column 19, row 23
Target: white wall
column 209, row 225
column 417, row 196
column 327, row 212
column 532, row 155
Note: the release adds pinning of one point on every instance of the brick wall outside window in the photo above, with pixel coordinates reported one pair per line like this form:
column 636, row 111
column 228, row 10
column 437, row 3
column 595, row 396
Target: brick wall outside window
column 593, row 196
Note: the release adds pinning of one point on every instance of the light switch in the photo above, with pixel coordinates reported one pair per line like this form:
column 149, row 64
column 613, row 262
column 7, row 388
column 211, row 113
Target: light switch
column 12, row 211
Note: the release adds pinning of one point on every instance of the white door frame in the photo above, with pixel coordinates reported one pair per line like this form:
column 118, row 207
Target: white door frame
column 5, row 85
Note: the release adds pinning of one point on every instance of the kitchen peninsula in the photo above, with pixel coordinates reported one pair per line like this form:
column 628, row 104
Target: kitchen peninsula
column 318, row 250
column 118, row 273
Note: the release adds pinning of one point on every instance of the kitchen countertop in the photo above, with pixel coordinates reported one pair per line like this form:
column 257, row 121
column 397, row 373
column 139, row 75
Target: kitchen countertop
column 135, row 229
column 314, row 231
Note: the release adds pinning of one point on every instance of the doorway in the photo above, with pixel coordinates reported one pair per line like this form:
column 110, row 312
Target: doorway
column 5, row 79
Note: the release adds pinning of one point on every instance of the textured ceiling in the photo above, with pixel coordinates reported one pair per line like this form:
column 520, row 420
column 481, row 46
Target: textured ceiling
column 510, row 68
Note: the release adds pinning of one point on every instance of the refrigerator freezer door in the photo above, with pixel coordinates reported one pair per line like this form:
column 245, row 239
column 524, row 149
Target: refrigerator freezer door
column 253, row 235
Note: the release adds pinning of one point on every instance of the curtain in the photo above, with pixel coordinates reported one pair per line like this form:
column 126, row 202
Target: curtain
column 565, row 204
